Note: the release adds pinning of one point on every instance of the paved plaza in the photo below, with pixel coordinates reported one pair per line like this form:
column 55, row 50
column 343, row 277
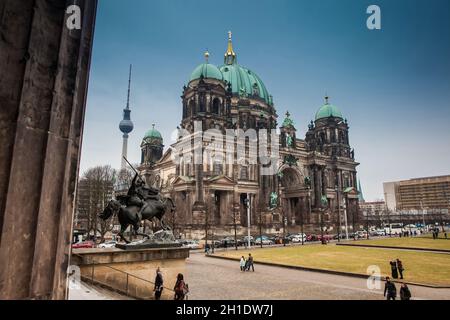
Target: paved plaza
column 87, row 291
column 218, row 279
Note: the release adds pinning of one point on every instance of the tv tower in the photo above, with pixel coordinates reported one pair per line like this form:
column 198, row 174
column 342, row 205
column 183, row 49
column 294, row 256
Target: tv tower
column 126, row 125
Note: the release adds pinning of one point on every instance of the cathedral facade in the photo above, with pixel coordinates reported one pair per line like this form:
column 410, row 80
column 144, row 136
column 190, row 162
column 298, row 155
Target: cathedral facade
column 313, row 184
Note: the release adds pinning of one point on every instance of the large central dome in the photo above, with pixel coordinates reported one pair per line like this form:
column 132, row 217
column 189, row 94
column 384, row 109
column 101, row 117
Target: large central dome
column 244, row 82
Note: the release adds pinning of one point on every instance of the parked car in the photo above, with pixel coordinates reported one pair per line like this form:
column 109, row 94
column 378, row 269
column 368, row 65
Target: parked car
column 297, row 238
column 326, row 237
column 377, row 233
column 191, row 244
column 83, row 245
column 227, row 243
column 279, row 239
column 245, row 240
column 362, row 234
column 264, row 239
column 341, row 236
column 312, row 237
column 108, row 244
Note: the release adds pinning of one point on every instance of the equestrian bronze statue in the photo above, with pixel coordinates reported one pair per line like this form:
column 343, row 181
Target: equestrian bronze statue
column 141, row 203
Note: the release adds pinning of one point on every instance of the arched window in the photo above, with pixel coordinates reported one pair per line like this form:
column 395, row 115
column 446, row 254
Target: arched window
column 322, row 138
column 185, row 110
column 216, row 106
column 202, row 103
column 191, row 108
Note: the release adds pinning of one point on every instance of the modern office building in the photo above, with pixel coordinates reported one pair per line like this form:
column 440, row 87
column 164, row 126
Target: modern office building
column 429, row 193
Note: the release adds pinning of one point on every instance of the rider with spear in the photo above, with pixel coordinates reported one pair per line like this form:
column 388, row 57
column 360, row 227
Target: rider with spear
column 139, row 192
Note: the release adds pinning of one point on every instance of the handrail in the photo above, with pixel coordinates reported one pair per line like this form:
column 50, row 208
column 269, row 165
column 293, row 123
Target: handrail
column 145, row 280
column 127, row 274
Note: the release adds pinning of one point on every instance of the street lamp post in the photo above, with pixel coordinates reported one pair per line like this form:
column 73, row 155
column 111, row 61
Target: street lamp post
column 324, row 205
column 339, row 213
column 345, row 217
column 260, row 227
column 301, row 226
column 249, row 201
column 367, row 224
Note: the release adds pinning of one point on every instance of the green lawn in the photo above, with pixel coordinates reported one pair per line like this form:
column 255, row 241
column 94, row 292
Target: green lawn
column 420, row 267
column 430, row 235
column 408, row 242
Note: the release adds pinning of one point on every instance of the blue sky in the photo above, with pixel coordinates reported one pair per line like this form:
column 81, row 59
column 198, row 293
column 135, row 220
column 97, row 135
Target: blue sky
column 393, row 84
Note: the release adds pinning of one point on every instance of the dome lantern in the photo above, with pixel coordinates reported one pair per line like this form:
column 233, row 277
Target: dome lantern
column 230, row 55
column 328, row 111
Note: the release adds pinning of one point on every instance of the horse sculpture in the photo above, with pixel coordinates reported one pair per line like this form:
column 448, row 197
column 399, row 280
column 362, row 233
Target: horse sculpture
column 129, row 213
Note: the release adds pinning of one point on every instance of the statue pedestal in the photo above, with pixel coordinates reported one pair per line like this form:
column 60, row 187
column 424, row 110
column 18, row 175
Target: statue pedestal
column 159, row 239
column 145, row 245
column 131, row 272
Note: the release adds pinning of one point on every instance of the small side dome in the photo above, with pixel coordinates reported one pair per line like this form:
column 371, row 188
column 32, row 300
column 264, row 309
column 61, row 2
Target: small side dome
column 328, row 110
column 208, row 71
column 153, row 136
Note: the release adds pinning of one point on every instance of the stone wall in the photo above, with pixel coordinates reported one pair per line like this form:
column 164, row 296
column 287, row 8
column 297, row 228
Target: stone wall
column 132, row 272
column 43, row 87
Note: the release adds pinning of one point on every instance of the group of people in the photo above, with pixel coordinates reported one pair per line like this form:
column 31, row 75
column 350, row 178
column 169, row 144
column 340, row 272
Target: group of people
column 408, row 233
column 245, row 265
column 181, row 289
column 390, row 291
column 396, row 268
column 436, row 234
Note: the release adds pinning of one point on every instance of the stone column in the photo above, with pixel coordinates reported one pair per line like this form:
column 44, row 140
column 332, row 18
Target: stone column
column 43, row 87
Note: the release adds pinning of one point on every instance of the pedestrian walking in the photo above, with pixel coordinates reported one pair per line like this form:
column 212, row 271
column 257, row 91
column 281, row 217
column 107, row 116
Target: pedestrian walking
column 405, row 294
column 390, row 291
column 159, row 284
column 400, row 268
column 242, row 263
column 394, row 271
column 181, row 288
column 250, row 263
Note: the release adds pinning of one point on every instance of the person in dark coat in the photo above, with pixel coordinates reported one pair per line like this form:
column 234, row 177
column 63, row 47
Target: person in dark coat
column 159, row 284
column 394, row 271
column 180, row 288
column 250, row 263
column 405, row 294
column 390, row 291
column 400, row 268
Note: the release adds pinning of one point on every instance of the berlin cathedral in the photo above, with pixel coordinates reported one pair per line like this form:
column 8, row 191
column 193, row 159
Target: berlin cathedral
column 314, row 187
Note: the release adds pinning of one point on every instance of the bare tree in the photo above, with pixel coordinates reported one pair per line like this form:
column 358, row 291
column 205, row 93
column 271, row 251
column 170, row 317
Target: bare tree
column 123, row 182
column 95, row 190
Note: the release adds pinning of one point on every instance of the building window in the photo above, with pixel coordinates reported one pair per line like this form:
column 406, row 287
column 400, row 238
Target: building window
column 202, row 103
column 191, row 108
column 216, row 106
column 217, row 168
column 244, row 173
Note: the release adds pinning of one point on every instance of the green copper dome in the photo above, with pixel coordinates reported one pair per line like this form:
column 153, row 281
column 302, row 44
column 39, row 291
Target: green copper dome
column 328, row 110
column 153, row 134
column 208, row 71
column 288, row 122
column 245, row 82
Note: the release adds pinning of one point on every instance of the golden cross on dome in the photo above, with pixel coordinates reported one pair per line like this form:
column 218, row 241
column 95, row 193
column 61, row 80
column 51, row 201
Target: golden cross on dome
column 229, row 35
